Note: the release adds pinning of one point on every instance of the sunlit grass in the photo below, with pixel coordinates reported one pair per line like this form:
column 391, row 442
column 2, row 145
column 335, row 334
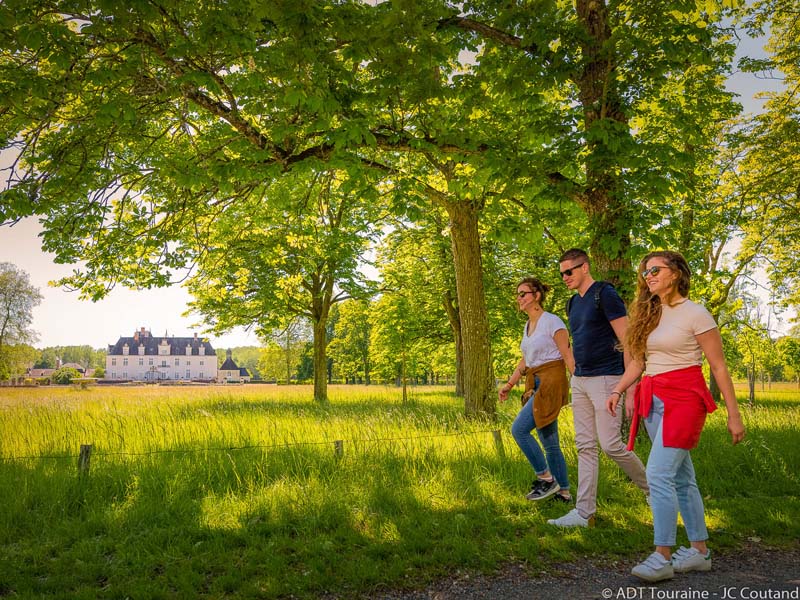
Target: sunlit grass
column 238, row 492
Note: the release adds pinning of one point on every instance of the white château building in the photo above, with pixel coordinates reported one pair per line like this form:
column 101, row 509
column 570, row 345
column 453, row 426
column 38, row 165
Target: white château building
column 144, row 357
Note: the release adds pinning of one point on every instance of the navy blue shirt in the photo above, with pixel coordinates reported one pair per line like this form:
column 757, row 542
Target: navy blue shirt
column 594, row 343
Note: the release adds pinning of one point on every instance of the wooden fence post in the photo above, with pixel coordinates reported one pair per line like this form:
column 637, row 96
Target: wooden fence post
column 338, row 448
column 498, row 443
column 84, row 459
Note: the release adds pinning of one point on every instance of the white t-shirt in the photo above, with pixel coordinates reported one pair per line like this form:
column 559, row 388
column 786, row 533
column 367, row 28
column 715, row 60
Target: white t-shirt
column 539, row 347
column 672, row 344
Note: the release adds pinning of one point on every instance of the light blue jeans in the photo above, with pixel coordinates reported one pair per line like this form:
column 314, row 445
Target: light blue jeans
column 673, row 486
column 522, row 430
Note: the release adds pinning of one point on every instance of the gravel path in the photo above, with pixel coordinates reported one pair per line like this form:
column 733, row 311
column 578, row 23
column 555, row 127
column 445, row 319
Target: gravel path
column 752, row 572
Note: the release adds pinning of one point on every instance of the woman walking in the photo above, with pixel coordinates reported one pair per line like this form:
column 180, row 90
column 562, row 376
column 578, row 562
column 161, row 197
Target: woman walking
column 546, row 355
column 667, row 336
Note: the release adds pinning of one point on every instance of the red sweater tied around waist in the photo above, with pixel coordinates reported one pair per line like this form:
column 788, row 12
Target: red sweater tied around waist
column 687, row 400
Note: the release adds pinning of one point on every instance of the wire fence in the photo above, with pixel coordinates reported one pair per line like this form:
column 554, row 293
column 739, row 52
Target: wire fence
column 87, row 450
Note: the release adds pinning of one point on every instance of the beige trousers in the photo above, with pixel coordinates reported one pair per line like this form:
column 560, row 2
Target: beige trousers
column 594, row 423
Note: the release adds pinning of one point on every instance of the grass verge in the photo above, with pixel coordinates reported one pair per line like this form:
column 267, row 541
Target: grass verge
column 212, row 492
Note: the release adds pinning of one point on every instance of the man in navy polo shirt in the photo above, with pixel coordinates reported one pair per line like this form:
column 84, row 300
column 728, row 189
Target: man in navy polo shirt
column 597, row 321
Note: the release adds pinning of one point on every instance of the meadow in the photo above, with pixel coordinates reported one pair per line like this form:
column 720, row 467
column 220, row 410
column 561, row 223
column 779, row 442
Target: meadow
column 239, row 492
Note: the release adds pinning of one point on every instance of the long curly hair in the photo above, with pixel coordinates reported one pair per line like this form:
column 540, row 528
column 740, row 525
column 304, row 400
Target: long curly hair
column 645, row 312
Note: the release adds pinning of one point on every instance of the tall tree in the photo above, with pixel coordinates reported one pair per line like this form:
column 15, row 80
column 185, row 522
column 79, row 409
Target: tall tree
column 349, row 347
column 415, row 259
column 18, row 297
column 772, row 164
column 789, row 349
column 291, row 255
column 281, row 356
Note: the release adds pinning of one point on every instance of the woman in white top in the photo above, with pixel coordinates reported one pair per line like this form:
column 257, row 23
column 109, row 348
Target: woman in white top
column 668, row 334
column 545, row 357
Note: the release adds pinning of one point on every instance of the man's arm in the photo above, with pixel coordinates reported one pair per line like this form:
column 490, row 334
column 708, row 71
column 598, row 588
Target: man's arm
column 620, row 327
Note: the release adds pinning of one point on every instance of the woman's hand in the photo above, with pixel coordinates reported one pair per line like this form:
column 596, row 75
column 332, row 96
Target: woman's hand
column 736, row 428
column 503, row 393
column 630, row 405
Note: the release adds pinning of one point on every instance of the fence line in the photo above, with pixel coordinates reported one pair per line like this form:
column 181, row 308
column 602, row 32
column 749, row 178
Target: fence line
column 84, row 454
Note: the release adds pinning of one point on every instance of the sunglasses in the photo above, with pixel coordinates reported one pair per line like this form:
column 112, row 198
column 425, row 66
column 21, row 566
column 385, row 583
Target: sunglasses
column 652, row 271
column 523, row 294
column 568, row 272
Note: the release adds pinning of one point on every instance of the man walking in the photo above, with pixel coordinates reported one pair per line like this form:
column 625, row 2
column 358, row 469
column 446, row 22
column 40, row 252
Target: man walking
column 597, row 320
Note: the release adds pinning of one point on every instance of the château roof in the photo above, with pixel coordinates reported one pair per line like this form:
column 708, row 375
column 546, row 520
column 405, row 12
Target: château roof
column 177, row 345
column 229, row 365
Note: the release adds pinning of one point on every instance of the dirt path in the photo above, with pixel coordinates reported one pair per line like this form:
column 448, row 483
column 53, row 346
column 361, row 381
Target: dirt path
column 753, row 572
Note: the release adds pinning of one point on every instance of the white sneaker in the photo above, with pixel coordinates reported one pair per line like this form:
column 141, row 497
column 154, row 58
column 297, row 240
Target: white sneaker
column 654, row 568
column 572, row 519
column 691, row 559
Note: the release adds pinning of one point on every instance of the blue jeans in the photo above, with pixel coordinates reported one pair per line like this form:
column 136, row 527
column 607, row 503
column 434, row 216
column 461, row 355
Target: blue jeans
column 522, row 430
column 673, row 486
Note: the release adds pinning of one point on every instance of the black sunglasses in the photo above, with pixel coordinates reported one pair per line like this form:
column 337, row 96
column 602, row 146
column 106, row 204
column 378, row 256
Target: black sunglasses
column 568, row 272
column 523, row 294
column 652, row 271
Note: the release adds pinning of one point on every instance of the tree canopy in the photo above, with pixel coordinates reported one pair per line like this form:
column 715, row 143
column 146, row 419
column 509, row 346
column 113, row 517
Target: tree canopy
column 264, row 146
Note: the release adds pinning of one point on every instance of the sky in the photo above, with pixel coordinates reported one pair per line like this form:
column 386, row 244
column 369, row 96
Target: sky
column 62, row 319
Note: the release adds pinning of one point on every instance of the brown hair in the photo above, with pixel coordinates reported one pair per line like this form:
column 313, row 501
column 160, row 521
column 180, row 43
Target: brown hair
column 573, row 254
column 536, row 286
column 646, row 309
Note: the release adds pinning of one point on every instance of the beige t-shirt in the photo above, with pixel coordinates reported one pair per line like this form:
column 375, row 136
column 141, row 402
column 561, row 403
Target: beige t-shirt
column 672, row 344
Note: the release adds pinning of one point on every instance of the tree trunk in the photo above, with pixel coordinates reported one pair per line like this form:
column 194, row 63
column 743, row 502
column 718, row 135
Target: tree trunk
column 288, row 353
column 403, row 376
column 602, row 109
column 320, row 362
column 751, row 385
column 479, row 388
column 455, row 325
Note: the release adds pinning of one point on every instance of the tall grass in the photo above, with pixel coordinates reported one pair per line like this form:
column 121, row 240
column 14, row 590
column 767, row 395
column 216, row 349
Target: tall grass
column 237, row 492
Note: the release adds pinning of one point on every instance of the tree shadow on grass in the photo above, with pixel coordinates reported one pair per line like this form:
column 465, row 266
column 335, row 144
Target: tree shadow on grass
column 300, row 521
column 297, row 522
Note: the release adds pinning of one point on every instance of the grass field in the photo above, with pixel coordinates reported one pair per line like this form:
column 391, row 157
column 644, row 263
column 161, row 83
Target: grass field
column 237, row 492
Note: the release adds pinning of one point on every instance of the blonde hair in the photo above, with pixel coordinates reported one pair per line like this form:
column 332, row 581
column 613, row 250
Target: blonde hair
column 645, row 312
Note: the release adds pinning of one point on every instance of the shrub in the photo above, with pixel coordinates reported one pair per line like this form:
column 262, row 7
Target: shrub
column 65, row 375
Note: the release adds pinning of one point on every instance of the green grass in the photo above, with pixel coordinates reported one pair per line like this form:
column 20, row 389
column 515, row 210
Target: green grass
column 236, row 492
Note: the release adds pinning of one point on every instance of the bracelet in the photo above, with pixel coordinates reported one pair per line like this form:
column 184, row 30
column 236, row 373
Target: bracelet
column 617, row 393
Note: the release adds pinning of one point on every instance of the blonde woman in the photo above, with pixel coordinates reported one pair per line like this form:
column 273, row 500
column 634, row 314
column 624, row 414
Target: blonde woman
column 667, row 336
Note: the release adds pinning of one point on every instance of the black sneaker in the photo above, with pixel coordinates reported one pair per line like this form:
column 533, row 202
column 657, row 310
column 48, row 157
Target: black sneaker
column 563, row 499
column 543, row 489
